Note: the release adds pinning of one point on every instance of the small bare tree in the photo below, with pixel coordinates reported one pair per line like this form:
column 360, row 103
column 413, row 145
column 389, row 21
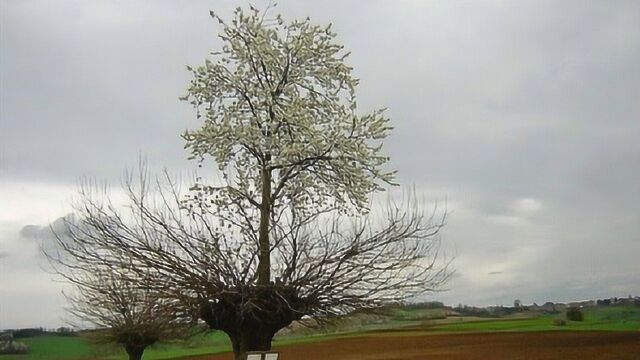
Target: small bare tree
column 116, row 304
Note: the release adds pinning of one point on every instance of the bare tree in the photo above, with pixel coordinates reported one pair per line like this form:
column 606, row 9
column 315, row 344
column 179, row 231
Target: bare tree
column 289, row 231
column 183, row 252
column 110, row 297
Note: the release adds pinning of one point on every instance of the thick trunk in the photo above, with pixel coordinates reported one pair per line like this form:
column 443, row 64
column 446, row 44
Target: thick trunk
column 264, row 257
column 134, row 352
column 252, row 315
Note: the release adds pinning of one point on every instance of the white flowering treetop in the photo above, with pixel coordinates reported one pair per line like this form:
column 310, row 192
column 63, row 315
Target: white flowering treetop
column 280, row 121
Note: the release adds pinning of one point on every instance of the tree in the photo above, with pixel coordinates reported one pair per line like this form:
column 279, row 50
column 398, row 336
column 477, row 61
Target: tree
column 122, row 311
column 574, row 314
column 517, row 304
column 288, row 231
column 279, row 114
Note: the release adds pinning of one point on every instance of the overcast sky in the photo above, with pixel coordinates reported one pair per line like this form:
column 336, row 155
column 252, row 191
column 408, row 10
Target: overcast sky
column 524, row 115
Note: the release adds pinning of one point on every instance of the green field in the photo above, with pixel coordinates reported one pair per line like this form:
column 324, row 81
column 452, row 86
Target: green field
column 397, row 321
column 615, row 318
column 53, row 347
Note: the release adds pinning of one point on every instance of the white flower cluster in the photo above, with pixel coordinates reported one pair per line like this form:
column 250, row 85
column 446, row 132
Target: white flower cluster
column 279, row 97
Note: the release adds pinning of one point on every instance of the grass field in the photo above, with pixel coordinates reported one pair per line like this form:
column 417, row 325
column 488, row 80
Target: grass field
column 211, row 343
column 616, row 318
column 401, row 322
column 53, row 347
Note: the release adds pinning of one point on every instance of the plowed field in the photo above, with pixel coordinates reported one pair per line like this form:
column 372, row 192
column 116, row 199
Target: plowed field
column 480, row 346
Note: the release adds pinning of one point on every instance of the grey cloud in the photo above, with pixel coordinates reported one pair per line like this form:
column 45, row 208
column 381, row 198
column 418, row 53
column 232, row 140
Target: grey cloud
column 24, row 284
column 37, row 232
column 31, row 231
column 46, row 237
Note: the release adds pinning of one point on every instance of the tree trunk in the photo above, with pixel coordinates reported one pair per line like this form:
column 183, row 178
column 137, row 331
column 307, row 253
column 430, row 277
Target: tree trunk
column 257, row 339
column 252, row 315
column 264, row 257
column 134, row 352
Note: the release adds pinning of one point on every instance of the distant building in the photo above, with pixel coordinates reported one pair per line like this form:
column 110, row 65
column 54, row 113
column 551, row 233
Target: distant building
column 583, row 304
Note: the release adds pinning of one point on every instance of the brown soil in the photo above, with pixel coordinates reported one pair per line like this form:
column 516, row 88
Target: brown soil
column 478, row 346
